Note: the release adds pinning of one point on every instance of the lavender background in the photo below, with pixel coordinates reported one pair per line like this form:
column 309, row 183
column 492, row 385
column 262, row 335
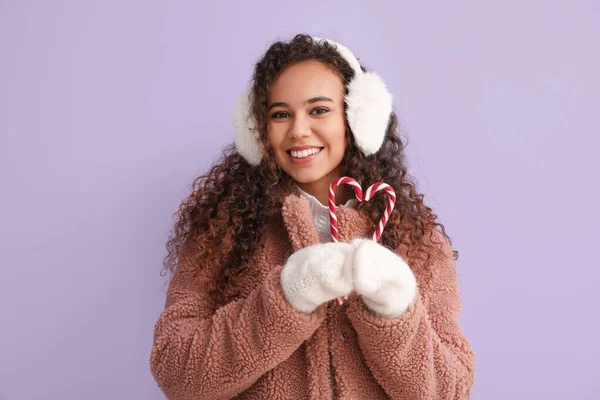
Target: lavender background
column 108, row 110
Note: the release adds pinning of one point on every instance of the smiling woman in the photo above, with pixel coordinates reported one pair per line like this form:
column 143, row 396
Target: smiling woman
column 251, row 311
column 307, row 128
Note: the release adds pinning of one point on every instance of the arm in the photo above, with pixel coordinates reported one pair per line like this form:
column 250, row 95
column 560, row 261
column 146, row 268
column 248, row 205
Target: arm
column 199, row 352
column 412, row 342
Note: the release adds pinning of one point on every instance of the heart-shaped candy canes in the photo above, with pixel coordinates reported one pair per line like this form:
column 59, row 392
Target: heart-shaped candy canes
column 368, row 195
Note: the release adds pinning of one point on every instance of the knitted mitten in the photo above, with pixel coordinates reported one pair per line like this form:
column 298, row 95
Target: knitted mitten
column 383, row 279
column 317, row 274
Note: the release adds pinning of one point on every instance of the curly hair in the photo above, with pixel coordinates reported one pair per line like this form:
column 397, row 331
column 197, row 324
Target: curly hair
column 219, row 226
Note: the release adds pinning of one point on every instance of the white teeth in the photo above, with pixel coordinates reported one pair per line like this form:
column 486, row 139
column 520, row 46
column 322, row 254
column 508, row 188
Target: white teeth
column 305, row 153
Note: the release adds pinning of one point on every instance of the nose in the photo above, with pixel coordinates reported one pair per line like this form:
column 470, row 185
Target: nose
column 300, row 127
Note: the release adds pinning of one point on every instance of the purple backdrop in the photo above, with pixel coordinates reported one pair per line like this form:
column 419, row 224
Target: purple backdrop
column 108, row 110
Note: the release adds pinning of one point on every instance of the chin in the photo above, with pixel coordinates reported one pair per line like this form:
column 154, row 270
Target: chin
column 305, row 178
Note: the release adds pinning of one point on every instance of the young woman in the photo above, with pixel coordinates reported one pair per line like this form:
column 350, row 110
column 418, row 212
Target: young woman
column 251, row 310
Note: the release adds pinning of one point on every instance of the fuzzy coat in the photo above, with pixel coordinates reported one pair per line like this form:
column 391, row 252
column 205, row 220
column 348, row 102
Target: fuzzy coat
column 259, row 347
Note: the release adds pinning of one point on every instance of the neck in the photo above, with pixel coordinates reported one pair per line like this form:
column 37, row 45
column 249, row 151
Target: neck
column 320, row 190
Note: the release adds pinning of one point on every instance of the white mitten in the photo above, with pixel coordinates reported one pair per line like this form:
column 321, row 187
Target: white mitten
column 317, row 274
column 383, row 279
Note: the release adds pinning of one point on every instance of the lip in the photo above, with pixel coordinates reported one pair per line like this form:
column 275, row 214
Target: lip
column 304, row 160
column 300, row 148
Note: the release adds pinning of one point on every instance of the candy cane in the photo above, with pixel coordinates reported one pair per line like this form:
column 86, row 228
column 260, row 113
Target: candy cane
column 371, row 191
column 388, row 210
column 332, row 212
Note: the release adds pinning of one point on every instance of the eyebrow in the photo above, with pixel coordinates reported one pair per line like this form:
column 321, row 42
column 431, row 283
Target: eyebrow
column 309, row 101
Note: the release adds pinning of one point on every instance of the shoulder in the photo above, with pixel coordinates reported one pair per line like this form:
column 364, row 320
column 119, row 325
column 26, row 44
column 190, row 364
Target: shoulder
column 431, row 258
column 274, row 239
column 439, row 244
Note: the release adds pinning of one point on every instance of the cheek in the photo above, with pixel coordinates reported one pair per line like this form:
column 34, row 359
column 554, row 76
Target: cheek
column 341, row 146
column 337, row 138
column 275, row 140
column 274, row 137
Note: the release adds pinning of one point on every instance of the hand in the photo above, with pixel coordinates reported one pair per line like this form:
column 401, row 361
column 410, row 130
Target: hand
column 383, row 279
column 317, row 274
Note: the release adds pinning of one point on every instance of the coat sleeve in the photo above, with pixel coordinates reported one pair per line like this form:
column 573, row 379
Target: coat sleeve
column 203, row 353
column 422, row 354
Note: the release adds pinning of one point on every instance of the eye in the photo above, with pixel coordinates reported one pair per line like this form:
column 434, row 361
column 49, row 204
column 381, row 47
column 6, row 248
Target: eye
column 319, row 110
column 279, row 114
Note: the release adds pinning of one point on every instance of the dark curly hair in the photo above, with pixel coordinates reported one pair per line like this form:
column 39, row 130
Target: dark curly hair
column 219, row 226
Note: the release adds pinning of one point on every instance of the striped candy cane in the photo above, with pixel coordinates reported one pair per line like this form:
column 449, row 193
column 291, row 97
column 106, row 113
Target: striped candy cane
column 344, row 180
column 370, row 193
column 388, row 209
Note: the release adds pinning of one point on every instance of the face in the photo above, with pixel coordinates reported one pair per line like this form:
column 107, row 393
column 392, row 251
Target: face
column 306, row 124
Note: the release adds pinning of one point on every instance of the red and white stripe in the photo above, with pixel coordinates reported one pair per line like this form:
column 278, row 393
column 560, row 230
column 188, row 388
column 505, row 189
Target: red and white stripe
column 332, row 211
column 368, row 195
column 388, row 209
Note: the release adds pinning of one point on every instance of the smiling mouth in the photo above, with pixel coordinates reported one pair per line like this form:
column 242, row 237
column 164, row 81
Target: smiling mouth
column 305, row 153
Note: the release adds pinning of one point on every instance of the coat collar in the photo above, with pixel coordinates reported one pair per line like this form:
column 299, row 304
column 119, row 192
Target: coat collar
column 298, row 221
